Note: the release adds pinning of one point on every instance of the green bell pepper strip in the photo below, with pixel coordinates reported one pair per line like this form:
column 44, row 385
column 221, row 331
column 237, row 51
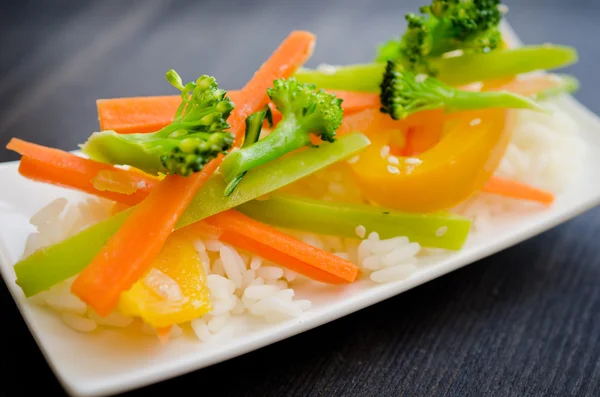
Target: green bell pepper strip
column 299, row 213
column 459, row 70
column 51, row 265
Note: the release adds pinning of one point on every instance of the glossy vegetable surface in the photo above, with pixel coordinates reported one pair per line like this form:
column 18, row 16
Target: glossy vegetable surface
column 337, row 219
column 470, row 149
column 175, row 289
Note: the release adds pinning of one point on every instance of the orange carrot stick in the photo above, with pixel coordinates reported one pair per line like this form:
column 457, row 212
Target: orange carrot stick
column 246, row 233
column 137, row 114
column 517, row 190
column 129, row 253
column 61, row 168
column 291, row 54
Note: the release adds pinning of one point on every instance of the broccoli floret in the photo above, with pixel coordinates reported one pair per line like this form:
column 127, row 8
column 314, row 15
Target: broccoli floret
column 304, row 110
column 404, row 93
column 447, row 25
column 196, row 136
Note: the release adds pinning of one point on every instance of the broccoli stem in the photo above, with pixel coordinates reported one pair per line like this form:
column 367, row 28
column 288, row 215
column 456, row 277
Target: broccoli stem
column 112, row 148
column 287, row 136
column 254, row 124
column 455, row 70
column 465, row 100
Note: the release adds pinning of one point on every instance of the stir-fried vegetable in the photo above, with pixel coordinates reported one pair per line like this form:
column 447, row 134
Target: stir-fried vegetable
column 174, row 290
column 471, row 146
column 404, row 93
column 470, row 26
column 114, row 269
column 440, row 146
column 196, row 136
column 254, row 124
column 458, row 70
column 337, row 219
column 56, row 263
column 304, row 111
column 61, row 168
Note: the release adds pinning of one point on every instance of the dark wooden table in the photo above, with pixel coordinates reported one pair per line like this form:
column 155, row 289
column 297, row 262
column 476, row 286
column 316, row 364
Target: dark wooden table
column 524, row 322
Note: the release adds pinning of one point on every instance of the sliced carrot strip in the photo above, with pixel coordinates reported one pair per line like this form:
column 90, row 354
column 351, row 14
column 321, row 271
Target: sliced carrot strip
column 131, row 115
column 246, row 233
column 129, row 253
column 517, row 190
column 529, row 86
column 62, row 168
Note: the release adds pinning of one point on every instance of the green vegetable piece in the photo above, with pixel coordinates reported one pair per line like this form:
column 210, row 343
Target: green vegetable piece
column 271, row 176
column 404, row 93
column 471, row 26
column 51, row 265
column 458, row 70
column 196, row 136
column 254, row 124
column 304, row 111
column 298, row 213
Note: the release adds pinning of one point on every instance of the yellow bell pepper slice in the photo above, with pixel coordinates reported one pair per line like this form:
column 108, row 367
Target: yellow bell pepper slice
column 174, row 291
column 470, row 148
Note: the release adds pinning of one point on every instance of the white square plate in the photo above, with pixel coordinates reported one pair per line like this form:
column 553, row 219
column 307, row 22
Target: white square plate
column 109, row 361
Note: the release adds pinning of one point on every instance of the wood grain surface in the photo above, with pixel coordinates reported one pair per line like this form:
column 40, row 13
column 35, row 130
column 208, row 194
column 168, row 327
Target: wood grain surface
column 524, row 322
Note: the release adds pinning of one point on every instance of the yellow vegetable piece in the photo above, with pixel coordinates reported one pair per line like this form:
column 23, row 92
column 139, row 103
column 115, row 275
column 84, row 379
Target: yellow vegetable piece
column 174, row 291
column 469, row 151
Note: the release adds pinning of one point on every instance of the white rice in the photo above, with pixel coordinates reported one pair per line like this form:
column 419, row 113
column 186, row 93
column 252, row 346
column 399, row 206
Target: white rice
column 545, row 151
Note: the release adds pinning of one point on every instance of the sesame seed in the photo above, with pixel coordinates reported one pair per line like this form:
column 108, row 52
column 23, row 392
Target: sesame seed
column 475, row 122
column 337, row 188
column 413, row 160
column 354, row 159
column 477, row 86
column 326, row 68
column 420, row 78
column 385, row 151
column 393, row 160
column 361, row 231
column 441, row 231
column 451, row 54
column 393, row 170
